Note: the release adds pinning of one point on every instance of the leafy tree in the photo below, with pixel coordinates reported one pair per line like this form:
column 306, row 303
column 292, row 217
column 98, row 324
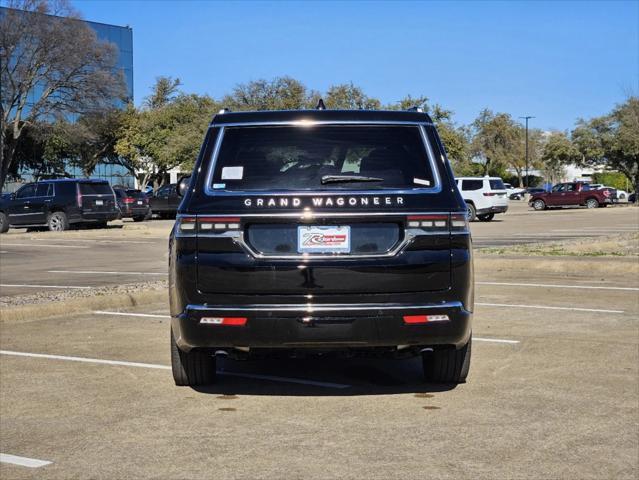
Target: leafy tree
column 281, row 93
column 611, row 179
column 558, row 152
column 49, row 65
column 163, row 92
column 347, row 96
column 152, row 141
column 612, row 140
column 500, row 142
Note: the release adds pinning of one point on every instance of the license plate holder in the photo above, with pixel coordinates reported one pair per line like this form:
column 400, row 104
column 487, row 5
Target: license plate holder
column 323, row 239
column 99, row 203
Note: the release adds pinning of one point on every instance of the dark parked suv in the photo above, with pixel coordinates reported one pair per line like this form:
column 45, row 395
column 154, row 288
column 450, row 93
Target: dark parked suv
column 329, row 231
column 133, row 204
column 57, row 204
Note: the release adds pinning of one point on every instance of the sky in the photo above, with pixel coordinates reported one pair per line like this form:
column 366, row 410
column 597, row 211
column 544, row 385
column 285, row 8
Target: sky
column 557, row 61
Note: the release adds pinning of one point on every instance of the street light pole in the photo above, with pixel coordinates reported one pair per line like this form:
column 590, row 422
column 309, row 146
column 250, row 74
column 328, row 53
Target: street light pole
column 526, row 118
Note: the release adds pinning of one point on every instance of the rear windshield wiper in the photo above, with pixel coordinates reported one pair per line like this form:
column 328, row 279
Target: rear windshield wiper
column 348, row 178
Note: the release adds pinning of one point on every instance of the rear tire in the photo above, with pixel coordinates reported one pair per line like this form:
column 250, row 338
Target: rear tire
column 447, row 366
column 4, row 223
column 471, row 213
column 539, row 205
column 58, row 222
column 486, row 218
column 191, row 368
column 592, row 203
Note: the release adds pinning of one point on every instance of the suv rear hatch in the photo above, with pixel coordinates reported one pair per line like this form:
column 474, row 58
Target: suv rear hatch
column 326, row 210
column 96, row 197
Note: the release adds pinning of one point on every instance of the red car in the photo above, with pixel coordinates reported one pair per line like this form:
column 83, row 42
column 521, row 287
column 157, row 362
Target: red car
column 572, row 194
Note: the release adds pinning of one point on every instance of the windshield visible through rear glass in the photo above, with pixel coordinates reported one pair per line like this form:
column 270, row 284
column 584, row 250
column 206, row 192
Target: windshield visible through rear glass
column 497, row 185
column 322, row 158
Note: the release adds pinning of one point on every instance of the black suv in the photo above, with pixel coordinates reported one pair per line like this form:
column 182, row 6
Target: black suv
column 57, row 204
column 165, row 201
column 324, row 231
column 133, row 204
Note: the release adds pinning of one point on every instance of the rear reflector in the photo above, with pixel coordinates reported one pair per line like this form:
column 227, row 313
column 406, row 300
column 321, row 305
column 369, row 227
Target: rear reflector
column 230, row 321
column 411, row 319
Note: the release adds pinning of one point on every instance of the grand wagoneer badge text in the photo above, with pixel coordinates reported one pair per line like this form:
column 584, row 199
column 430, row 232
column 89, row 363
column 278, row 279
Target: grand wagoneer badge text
column 318, row 202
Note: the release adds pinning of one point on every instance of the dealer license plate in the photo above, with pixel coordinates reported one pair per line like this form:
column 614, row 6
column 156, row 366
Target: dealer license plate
column 324, row 239
column 99, row 202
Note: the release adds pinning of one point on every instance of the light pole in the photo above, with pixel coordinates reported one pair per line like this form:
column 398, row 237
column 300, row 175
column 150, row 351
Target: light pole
column 527, row 118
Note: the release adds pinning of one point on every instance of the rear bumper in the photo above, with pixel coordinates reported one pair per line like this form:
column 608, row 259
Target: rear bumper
column 99, row 216
column 493, row 209
column 135, row 211
column 350, row 326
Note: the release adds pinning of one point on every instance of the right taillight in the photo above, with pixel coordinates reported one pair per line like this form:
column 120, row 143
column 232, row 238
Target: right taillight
column 438, row 223
column 459, row 223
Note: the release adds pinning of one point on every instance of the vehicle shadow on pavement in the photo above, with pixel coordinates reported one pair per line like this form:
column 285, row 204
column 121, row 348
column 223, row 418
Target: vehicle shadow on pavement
column 321, row 377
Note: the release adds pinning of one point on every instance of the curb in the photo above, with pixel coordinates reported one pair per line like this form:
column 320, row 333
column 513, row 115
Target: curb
column 26, row 313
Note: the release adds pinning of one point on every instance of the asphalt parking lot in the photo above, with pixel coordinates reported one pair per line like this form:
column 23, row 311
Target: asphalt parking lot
column 552, row 393
column 136, row 252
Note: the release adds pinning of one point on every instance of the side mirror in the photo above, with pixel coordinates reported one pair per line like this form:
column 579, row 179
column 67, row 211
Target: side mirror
column 183, row 186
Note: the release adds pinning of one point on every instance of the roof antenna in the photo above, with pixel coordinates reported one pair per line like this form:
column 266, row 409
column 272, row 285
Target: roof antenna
column 320, row 105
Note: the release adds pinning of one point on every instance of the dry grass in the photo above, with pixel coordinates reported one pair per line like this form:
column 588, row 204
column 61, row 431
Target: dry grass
column 620, row 245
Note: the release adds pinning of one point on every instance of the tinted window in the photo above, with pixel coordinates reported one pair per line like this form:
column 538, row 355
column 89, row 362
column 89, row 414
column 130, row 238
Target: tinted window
column 165, row 190
column 44, row 190
column 472, row 184
column 497, row 184
column 135, row 193
column 558, row 188
column 27, row 191
column 95, row 188
column 66, row 189
column 294, row 158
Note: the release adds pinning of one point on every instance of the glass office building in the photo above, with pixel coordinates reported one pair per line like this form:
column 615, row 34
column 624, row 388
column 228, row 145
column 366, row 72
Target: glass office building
column 122, row 38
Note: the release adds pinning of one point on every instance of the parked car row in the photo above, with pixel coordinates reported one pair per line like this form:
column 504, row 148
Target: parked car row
column 62, row 203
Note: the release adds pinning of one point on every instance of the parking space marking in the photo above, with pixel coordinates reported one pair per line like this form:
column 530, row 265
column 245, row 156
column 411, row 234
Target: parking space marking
column 496, row 340
column 548, row 307
column 92, row 240
column 43, row 286
column 166, row 367
column 45, row 245
column 23, row 461
column 548, row 285
column 92, row 272
column 126, row 314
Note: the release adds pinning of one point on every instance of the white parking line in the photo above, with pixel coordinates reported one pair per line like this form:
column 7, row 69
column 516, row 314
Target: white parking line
column 23, row 461
column 93, row 272
column 496, row 340
column 547, row 307
column 547, row 285
column 166, row 367
column 45, row 245
column 126, row 314
column 93, row 240
column 42, row 286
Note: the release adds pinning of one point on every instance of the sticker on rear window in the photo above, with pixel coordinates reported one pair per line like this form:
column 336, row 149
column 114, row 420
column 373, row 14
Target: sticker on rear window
column 419, row 181
column 232, row 173
column 219, row 185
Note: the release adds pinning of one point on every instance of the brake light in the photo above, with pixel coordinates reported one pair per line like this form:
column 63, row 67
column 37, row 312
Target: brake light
column 185, row 224
column 226, row 321
column 129, row 200
column 489, row 194
column 459, row 223
column 413, row 319
column 79, row 198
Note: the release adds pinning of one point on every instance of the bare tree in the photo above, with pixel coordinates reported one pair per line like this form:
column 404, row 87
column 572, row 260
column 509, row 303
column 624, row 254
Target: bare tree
column 51, row 63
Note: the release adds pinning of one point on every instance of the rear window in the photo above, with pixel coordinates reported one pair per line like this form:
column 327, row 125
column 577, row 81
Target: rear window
column 472, row 185
column 95, row 188
column 497, row 184
column 322, row 158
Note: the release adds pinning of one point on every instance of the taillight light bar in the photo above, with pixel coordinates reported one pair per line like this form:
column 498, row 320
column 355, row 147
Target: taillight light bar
column 218, row 224
column 190, row 224
column 414, row 319
column 455, row 223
